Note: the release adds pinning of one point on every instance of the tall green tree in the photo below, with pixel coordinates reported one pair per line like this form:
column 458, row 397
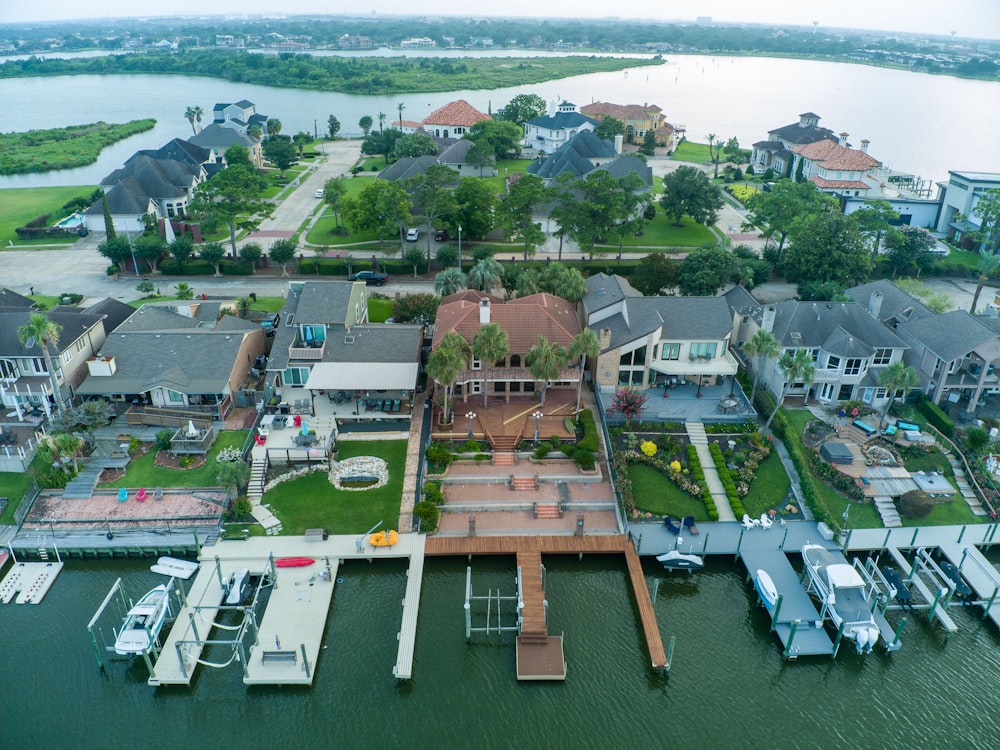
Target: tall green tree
column 761, row 347
column 705, row 271
column 524, row 107
column 874, row 219
column 489, row 345
column 909, row 248
column 334, row 191
column 794, row 368
column 301, row 140
column 236, row 196
column 381, row 143
column 896, row 378
column 500, row 135
column 115, row 249
column 544, row 360
column 648, row 146
column 475, row 208
column 213, row 252
column 382, row 207
column 282, row 252
column 233, row 476
column 688, row 191
column 562, row 281
column 109, row 223
column 480, row 156
column 189, row 115
column 596, row 210
column 518, row 213
column 486, row 275
column 414, row 144
column 626, row 210
column 433, row 196
column 585, row 344
column 987, row 208
column 826, row 247
column 43, row 333
column 774, row 213
column 609, row 127
column 281, row 152
column 251, row 252
column 150, row 248
column 450, row 357
column 332, row 126
column 365, row 123
column 273, row 126
column 656, row 275
column 450, row 281
column 562, row 197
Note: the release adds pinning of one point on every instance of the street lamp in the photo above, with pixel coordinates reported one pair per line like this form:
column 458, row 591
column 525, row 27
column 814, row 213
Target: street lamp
column 471, row 415
column 459, row 247
column 537, row 415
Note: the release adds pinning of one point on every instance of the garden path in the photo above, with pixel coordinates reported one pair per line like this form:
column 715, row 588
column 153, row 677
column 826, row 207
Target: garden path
column 696, row 432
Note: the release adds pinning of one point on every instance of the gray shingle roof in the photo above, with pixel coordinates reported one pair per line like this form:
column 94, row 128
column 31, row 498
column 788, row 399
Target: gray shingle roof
column 812, row 324
column 220, row 138
column 604, row 290
column 690, row 318
column 561, row 121
column 798, row 134
column 73, row 323
column 951, row 335
column 158, row 178
column 629, row 164
column 376, row 344
column 114, row 312
column 896, row 304
column 11, row 300
column 408, row 166
column 322, row 302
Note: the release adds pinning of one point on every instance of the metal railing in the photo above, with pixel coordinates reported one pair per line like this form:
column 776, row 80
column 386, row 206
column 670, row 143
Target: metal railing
column 27, row 501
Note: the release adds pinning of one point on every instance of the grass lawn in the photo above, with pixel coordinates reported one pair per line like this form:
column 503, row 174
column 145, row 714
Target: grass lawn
column 142, row 472
column 311, row 502
column 656, row 494
column 379, row 310
column 768, row 488
column 45, row 301
column 268, row 304
column 322, row 233
column 21, row 205
column 13, row 485
column 512, row 166
column 694, row 152
column 661, row 232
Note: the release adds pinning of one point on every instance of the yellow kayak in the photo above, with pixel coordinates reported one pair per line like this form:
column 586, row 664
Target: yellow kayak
column 383, row 539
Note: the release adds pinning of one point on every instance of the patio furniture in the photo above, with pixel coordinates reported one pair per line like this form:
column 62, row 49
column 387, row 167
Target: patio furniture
column 141, row 495
column 122, row 495
column 765, row 521
column 689, row 524
column 280, row 422
column 395, row 405
column 671, row 526
column 749, row 523
column 298, row 420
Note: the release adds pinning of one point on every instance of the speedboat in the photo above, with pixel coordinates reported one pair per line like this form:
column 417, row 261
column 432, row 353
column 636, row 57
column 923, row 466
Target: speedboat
column 677, row 560
column 236, row 585
column 843, row 594
column 143, row 622
column 766, row 588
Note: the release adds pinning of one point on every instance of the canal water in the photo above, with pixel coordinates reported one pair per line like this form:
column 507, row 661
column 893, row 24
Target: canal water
column 729, row 687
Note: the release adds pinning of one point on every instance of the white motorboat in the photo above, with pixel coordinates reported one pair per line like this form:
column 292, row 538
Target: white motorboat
column 172, row 566
column 236, row 585
column 677, row 560
column 843, row 594
column 143, row 622
column 766, row 588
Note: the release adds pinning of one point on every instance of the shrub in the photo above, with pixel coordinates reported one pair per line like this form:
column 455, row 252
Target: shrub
column 936, row 417
column 163, row 440
column 111, row 270
column 589, row 441
column 584, row 459
column 976, row 440
column 429, row 515
column 648, row 447
column 433, row 493
column 470, row 446
column 916, row 504
column 541, row 451
column 438, row 453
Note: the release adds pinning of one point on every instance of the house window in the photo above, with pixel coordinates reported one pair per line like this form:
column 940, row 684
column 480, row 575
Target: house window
column 477, row 364
column 833, row 363
column 515, row 360
column 881, row 393
column 670, row 351
column 79, row 345
column 881, row 357
column 705, row 350
column 67, row 356
column 853, row 366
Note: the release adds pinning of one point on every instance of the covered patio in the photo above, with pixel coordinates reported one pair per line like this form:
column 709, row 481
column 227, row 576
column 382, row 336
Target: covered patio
column 361, row 390
column 686, row 401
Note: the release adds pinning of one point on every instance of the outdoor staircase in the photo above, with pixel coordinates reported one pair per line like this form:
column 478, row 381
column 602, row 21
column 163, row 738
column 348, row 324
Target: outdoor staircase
column 851, row 434
column 887, row 509
column 504, row 449
column 964, row 488
column 529, row 484
column 255, row 493
column 548, row 510
column 83, row 484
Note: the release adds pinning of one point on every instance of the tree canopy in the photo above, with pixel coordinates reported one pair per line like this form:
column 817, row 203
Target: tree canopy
column 688, row 191
column 414, row 144
column 706, row 271
column 502, row 136
column 234, row 195
column 523, row 107
column 826, row 247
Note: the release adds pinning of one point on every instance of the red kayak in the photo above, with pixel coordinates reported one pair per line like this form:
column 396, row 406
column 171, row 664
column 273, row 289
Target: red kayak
column 293, row 562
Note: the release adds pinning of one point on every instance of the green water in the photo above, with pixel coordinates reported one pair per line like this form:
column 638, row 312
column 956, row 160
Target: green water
column 729, row 687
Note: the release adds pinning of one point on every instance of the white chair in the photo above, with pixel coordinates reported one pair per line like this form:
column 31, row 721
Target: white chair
column 749, row 523
column 765, row 522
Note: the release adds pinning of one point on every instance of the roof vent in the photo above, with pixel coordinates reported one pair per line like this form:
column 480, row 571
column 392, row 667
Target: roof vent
column 796, row 336
column 348, row 339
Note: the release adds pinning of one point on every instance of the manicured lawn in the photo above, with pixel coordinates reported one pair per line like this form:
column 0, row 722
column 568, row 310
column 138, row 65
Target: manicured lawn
column 655, row 493
column 13, row 485
column 268, row 304
column 311, row 502
column 661, row 232
column 45, row 301
column 966, row 258
column 322, row 233
column 379, row 310
column 768, row 488
column 512, row 166
column 955, row 513
column 21, row 205
column 143, row 472
column 694, row 152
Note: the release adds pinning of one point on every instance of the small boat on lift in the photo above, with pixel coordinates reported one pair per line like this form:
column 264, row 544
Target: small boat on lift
column 677, row 560
column 236, row 586
column 962, row 590
column 143, row 623
column 843, row 594
column 766, row 588
column 293, row 562
column 383, row 538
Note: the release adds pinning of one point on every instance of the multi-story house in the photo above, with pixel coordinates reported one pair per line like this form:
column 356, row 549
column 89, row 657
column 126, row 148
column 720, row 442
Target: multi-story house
column 776, row 152
column 836, row 168
column 548, row 133
column 453, row 120
column 638, row 120
column 958, row 217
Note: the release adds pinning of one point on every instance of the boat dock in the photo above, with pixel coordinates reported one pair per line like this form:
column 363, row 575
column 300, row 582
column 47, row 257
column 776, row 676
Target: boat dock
column 526, row 547
column 980, row 575
column 29, row 582
column 290, row 633
column 914, row 574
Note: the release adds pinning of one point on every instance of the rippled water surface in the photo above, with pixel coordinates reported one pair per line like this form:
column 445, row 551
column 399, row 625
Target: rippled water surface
column 729, row 687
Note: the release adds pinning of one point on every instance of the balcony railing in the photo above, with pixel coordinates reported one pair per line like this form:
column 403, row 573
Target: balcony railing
column 311, row 350
column 504, row 374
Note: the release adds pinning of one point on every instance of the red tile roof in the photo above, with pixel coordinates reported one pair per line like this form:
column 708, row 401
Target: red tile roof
column 831, row 155
column 824, row 184
column 620, row 111
column 524, row 320
column 456, row 113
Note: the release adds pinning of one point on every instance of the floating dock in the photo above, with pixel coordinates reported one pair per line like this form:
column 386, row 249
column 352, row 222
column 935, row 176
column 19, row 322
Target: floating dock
column 29, row 582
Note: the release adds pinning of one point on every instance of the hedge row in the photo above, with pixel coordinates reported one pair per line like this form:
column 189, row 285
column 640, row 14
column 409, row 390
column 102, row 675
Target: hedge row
column 699, row 476
column 807, row 480
column 198, row 267
column 589, row 441
column 936, row 417
column 727, row 480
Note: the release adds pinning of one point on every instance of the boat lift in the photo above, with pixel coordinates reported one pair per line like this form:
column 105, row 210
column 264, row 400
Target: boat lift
column 116, row 606
column 928, row 580
column 491, row 596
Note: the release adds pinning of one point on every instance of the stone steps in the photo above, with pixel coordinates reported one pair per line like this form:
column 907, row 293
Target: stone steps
column 547, row 511
column 505, row 458
column 529, row 484
column 887, row 510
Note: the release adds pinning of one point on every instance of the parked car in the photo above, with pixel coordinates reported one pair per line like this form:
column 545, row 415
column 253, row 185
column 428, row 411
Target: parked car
column 441, row 235
column 318, row 193
column 412, row 235
column 371, row 278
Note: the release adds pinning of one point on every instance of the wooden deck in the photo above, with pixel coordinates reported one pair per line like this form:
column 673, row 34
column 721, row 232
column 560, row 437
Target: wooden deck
column 532, row 593
column 555, row 545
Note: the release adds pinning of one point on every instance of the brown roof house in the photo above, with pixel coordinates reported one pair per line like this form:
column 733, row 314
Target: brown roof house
column 524, row 320
column 835, row 167
column 453, row 120
column 638, row 119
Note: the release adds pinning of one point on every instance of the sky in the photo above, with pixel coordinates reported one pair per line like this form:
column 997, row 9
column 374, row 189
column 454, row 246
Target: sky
column 972, row 18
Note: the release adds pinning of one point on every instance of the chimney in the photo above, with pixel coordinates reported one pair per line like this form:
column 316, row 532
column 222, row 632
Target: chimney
column 484, row 311
column 864, row 145
column 843, row 140
column 605, row 338
column 769, row 314
column 618, row 144
column 875, row 304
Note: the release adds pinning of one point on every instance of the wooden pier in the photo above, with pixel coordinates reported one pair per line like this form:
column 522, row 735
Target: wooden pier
column 522, row 546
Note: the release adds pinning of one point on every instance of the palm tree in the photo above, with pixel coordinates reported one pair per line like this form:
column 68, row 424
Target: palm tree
column 986, row 265
column 806, row 370
column 569, row 284
column 443, row 365
column 67, row 445
column 381, row 121
column 190, row 114
column 450, row 281
column 400, row 107
column 198, row 114
column 586, row 344
column 797, row 366
column 895, row 378
column 42, row 332
column 761, row 346
column 485, row 275
column 545, row 360
column 273, row 126
column 489, row 346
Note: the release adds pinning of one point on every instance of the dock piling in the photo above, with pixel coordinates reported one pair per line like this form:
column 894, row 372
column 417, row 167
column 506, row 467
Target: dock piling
column 777, row 611
column 305, row 660
column 899, row 631
column 837, row 640
column 670, row 652
column 791, row 638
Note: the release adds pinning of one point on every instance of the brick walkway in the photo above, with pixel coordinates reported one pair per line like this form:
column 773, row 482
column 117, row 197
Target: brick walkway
column 522, row 522
column 414, row 455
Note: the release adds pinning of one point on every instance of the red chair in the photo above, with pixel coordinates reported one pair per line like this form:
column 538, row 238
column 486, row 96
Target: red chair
column 141, row 495
column 298, row 420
